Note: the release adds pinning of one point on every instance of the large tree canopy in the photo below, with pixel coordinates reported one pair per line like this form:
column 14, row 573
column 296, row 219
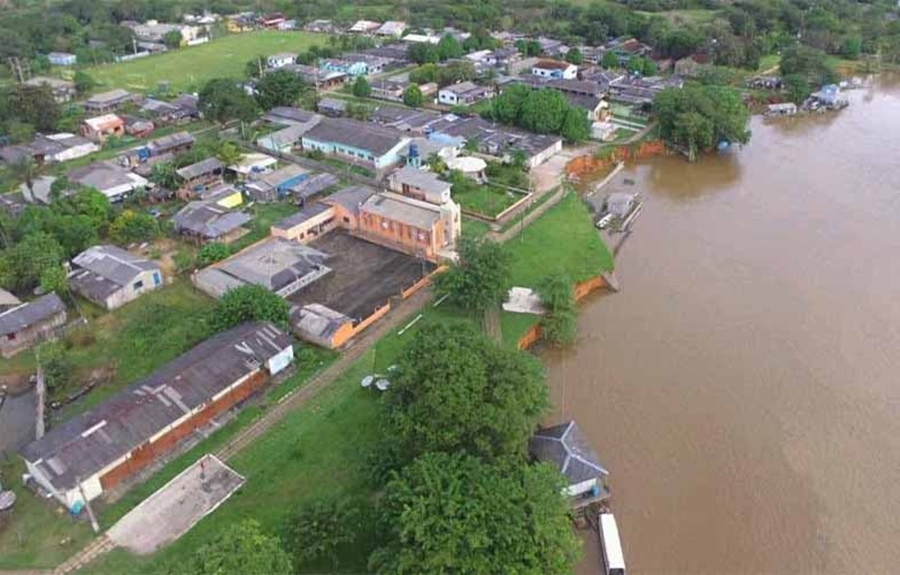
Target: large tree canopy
column 455, row 514
column 459, row 391
column 242, row 548
column 481, row 277
column 279, row 88
column 224, row 100
column 699, row 117
column 251, row 303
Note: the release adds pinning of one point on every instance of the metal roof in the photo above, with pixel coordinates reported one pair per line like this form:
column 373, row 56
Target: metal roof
column 208, row 219
column 401, row 209
column 360, row 135
column 28, row 314
column 350, row 198
column 565, row 447
column 87, row 444
column 201, row 168
column 275, row 264
column 317, row 322
column 424, row 180
column 105, row 269
column 303, row 215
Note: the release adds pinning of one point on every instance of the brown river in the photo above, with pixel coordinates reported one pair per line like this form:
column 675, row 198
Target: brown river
column 744, row 387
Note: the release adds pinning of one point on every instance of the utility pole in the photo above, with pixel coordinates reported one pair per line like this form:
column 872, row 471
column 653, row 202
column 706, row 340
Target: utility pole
column 87, row 505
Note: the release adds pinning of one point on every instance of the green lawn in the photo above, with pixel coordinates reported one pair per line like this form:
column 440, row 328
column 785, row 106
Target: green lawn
column 561, row 242
column 264, row 215
column 769, row 61
column 127, row 343
column 474, row 228
column 190, row 68
column 486, row 200
column 687, row 16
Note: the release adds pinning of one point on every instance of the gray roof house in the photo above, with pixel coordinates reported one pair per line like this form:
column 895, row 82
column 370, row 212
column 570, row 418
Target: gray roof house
column 359, row 142
column 279, row 265
column 108, row 101
column 25, row 324
column 112, row 180
column 97, row 450
column 420, row 184
column 208, row 222
column 111, row 277
column 564, row 447
column 320, row 325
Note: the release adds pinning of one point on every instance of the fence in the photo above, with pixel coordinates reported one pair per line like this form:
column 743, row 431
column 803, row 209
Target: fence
column 404, row 294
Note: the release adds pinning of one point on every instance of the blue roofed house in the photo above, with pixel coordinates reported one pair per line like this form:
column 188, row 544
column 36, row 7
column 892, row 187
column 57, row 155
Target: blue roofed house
column 357, row 68
column 361, row 143
column 276, row 184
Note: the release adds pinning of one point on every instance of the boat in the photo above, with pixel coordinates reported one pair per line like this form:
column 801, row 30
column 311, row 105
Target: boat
column 610, row 545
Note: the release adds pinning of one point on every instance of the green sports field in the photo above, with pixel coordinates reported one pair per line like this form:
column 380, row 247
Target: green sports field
column 190, row 68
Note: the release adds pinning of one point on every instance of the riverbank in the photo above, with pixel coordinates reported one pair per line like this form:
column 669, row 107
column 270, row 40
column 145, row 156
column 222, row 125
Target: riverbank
column 742, row 383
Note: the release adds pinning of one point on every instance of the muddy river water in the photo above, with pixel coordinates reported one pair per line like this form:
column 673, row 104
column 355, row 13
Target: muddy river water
column 744, row 387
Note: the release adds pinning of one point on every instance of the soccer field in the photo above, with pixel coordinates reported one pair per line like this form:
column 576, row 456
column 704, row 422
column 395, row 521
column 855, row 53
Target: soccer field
column 190, row 68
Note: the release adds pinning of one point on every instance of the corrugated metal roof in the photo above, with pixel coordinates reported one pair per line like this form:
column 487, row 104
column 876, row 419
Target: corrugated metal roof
column 85, row 445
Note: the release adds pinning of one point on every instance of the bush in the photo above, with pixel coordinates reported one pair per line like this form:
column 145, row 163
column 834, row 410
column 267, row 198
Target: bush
column 212, row 253
column 251, row 303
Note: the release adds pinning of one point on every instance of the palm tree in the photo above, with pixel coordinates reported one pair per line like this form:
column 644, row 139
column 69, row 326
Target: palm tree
column 25, row 171
column 436, row 163
column 229, row 154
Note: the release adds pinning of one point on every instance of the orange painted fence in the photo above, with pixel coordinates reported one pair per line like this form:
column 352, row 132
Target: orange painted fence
column 422, row 282
column 586, row 164
column 582, row 289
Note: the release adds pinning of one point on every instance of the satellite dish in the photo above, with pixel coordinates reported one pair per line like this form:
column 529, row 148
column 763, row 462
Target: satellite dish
column 382, row 384
column 367, row 380
column 393, row 368
column 7, row 500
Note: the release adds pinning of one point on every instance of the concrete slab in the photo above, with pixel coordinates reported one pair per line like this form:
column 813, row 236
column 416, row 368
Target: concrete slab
column 523, row 300
column 173, row 509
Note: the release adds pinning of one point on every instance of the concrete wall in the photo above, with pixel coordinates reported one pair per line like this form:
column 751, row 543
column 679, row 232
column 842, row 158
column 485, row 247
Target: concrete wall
column 149, row 280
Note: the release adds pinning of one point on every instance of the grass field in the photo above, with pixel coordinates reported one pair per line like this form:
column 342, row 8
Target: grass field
column 189, row 68
column 562, row 242
column 486, row 200
column 264, row 215
column 688, row 16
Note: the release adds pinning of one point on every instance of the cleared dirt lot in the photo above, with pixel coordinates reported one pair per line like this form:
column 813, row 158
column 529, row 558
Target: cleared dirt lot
column 364, row 277
column 176, row 507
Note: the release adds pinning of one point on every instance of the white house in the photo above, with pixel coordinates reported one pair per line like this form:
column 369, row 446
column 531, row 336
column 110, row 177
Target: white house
column 281, row 59
column 463, row 94
column 111, row 277
column 555, row 69
column 391, row 28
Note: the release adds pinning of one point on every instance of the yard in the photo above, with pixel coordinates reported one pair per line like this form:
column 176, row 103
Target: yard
column 562, row 242
column 486, row 200
column 187, row 69
column 126, row 344
column 264, row 215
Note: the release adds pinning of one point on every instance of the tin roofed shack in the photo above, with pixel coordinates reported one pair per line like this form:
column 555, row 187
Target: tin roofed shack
column 98, row 450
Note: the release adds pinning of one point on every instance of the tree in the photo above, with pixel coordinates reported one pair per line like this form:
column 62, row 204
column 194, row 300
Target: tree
column 699, row 117
column 852, row 47
column 131, row 227
column 54, row 279
column 254, row 68
column 229, row 154
column 165, row 175
column 480, row 279
column 241, row 548
column 362, row 88
column 212, row 253
column 25, row 171
column 172, row 39
column 23, row 265
column 423, row 53
column 56, row 364
column 529, row 48
column 412, row 96
column 543, row 111
column 84, row 83
column 610, row 60
column 455, row 390
column 436, row 163
column 223, row 100
column 318, row 530
column 574, row 56
column 560, row 322
column 575, row 127
column 251, row 303
column 797, row 88
column 808, row 62
column 34, row 105
column 454, row 514
column 448, row 48
column 279, row 88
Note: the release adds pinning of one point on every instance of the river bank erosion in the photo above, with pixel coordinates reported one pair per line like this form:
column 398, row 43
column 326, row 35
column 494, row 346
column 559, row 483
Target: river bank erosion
column 742, row 387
